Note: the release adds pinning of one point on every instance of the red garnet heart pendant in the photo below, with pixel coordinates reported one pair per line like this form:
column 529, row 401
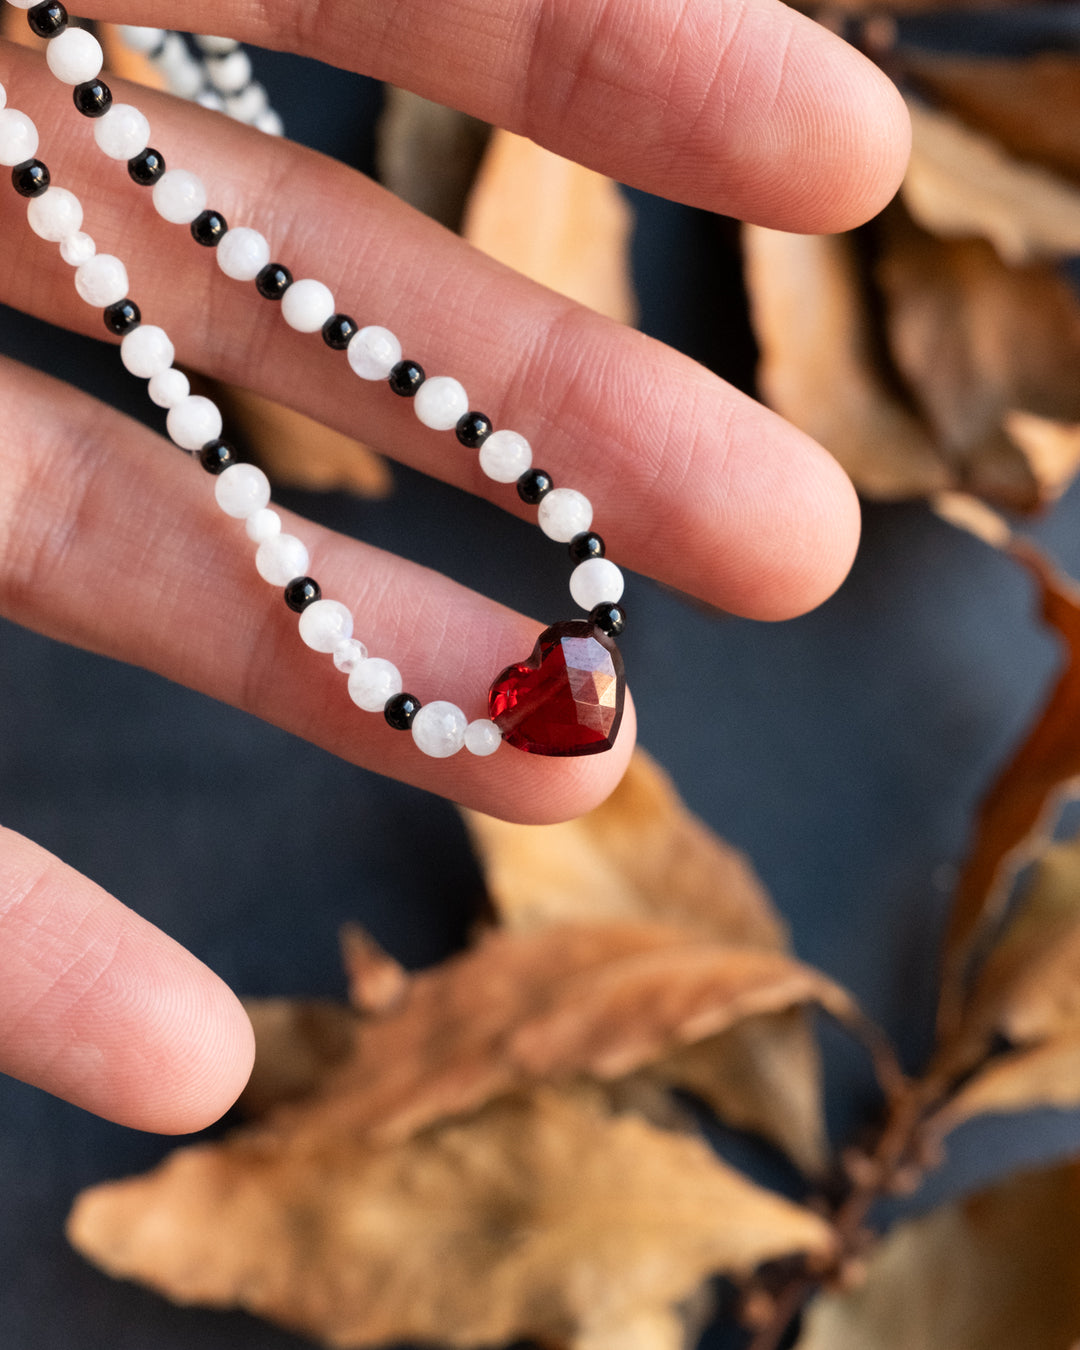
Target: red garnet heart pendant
column 567, row 698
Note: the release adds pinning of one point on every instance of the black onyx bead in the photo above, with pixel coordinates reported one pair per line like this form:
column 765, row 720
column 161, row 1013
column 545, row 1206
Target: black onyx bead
column 47, row 19
column 216, row 456
column 30, row 178
column 473, row 430
column 146, row 168
column 406, row 378
column 400, row 711
column 273, row 281
column 609, row 618
column 533, row 486
column 122, row 317
column 585, row 546
column 209, row 228
column 93, row 99
column 301, row 592
column 338, row 330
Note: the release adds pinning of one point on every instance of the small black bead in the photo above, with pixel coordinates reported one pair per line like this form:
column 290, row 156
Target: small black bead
column 609, row 618
column 400, row 711
column 338, row 331
column 122, row 317
column 30, row 178
column 406, row 378
column 473, row 429
column 146, row 168
column 217, row 455
column 209, row 228
column 273, row 281
column 533, row 486
column 93, row 99
column 47, row 19
column 585, row 546
column 301, row 592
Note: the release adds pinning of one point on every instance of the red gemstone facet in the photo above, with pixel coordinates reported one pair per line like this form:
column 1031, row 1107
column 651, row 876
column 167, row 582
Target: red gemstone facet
column 567, row 698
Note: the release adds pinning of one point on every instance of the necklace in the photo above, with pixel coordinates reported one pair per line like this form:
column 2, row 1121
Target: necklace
column 567, row 697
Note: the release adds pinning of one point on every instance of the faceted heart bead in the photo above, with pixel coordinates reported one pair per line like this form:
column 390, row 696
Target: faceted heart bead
column 567, row 698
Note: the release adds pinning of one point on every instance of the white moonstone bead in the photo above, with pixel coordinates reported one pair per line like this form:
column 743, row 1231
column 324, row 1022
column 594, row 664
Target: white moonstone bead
column 142, row 39
column 77, row 248
column 263, row 525
column 372, row 682
column 147, row 351
column 18, row 137
column 348, row 654
column 122, row 133
column 55, row 215
column 246, row 105
column 281, row 558
column 373, row 352
column 74, row 56
column 505, row 456
column 179, row 196
column 307, row 305
column 564, row 513
column 215, row 46
column 440, row 401
column 243, row 253
column 482, row 737
column 3, row 97
column 324, row 624
column 269, row 123
column 230, row 72
column 210, row 98
column 102, row 280
column 174, row 54
column 22, row 4
column 597, row 581
column 168, row 388
column 194, row 421
column 241, row 490
column 439, row 729
column 185, row 78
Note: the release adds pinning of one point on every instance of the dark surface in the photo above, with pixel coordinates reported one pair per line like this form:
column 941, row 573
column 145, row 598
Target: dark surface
column 844, row 751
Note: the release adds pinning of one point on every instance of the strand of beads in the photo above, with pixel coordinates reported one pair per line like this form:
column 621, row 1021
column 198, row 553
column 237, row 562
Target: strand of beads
column 242, row 490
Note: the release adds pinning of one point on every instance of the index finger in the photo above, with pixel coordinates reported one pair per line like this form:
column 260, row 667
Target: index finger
column 744, row 107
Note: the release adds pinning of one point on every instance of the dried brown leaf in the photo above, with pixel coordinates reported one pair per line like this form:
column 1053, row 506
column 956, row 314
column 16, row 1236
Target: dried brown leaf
column 377, row 983
column 429, row 155
column 998, row 1271
column 1045, row 1075
column 542, row 1217
column 555, row 221
column 297, row 1042
column 961, row 184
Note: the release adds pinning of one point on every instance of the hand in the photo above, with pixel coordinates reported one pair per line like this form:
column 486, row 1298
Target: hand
column 745, row 108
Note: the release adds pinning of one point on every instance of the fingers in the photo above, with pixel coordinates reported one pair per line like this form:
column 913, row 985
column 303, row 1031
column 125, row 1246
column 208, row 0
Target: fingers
column 99, row 1007
column 745, row 107
column 693, row 483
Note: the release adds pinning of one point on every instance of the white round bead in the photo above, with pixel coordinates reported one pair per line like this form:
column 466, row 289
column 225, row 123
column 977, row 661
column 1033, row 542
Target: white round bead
column 269, row 123
column 241, row 490
column 102, row 280
column 142, row 39
column 230, row 72
column 243, row 253
column 248, row 103
column 597, row 581
column 372, row 682
column 147, row 351
column 179, row 196
column 211, row 99
column 482, row 737
column 193, row 421
column 324, row 624
column 373, row 352
column 215, row 46
column 77, row 248
column 348, row 654
column 167, row 388
column 55, row 215
column 440, row 401
column 439, row 729
column 173, row 54
column 281, row 558
column 18, row 137
column 122, row 133
column 505, row 456
column 3, row 97
column 307, row 305
column 564, row 513
column 22, row 4
column 74, row 56
column 263, row 525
